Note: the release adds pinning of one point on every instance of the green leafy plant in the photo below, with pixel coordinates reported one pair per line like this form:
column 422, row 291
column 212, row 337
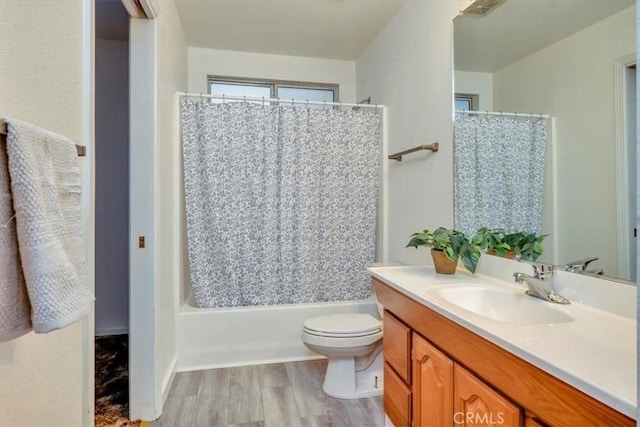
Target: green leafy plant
column 526, row 246
column 491, row 238
column 452, row 242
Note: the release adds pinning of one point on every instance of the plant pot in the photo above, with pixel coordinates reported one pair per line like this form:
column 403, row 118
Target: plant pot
column 509, row 254
column 443, row 264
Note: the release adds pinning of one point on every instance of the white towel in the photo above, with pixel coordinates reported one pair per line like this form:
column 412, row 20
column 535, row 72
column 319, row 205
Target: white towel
column 15, row 311
column 45, row 186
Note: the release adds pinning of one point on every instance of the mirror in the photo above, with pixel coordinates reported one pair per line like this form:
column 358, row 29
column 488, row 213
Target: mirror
column 575, row 61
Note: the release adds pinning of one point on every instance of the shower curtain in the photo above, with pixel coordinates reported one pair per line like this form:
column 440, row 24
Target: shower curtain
column 498, row 172
column 280, row 202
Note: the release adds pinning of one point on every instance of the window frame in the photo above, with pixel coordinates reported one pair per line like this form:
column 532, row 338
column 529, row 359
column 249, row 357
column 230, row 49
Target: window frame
column 274, row 84
column 473, row 99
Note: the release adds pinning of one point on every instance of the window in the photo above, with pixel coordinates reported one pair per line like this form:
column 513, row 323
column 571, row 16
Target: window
column 466, row 101
column 253, row 88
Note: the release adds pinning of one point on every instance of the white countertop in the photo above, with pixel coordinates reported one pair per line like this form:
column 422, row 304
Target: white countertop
column 595, row 353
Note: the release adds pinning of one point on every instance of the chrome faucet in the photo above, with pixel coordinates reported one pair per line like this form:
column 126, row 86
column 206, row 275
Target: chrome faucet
column 581, row 266
column 540, row 284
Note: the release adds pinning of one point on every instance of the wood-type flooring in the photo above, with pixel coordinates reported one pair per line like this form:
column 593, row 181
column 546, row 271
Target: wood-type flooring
column 276, row 395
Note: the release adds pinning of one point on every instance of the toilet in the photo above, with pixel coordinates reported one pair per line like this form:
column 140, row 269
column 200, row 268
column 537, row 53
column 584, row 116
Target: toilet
column 353, row 344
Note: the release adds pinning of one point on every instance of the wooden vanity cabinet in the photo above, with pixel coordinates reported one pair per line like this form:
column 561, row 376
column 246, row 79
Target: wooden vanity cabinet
column 454, row 371
column 397, row 349
column 432, row 385
column 397, row 370
column 397, row 398
column 475, row 403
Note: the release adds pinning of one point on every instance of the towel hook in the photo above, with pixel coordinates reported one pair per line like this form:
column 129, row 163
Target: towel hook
column 263, row 101
column 292, row 103
column 223, row 101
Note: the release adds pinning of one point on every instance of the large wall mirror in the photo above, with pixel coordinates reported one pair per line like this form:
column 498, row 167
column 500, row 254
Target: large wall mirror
column 574, row 61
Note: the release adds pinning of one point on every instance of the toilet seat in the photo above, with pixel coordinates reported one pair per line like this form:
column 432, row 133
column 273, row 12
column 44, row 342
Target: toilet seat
column 345, row 325
column 330, row 335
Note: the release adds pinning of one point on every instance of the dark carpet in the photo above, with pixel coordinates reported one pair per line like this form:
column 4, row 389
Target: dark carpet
column 112, row 381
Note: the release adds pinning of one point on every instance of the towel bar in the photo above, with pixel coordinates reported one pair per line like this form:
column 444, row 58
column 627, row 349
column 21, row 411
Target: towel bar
column 82, row 150
column 398, row 156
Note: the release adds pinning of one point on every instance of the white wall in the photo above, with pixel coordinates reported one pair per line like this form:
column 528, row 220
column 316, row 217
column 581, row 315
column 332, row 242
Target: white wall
column 408, row 67
column 573, row 80
column 473, row 83
column 112, row 187
column 203, row 62
column 47, row 379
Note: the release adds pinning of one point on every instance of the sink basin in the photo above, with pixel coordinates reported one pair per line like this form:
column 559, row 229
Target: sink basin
column 501, row 304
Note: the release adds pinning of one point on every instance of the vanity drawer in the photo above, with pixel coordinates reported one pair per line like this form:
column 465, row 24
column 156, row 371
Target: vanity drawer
column 396, row 346
column 397, row 398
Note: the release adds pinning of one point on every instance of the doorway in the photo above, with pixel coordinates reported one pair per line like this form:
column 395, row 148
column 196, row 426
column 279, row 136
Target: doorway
column 625, row 118
column 112, row 212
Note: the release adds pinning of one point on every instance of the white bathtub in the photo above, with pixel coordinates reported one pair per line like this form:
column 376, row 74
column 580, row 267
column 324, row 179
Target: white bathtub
column 221, row 337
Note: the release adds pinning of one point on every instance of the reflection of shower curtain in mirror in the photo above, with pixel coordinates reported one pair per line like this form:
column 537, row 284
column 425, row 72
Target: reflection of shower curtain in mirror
column 498, row 172
column 281, row 202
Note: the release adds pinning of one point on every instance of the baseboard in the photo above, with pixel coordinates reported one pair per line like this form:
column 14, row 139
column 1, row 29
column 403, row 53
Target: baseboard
column 167, row 381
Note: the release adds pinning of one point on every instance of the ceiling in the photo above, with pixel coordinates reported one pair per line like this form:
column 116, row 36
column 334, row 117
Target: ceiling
column 518, row 28
column 337, row 29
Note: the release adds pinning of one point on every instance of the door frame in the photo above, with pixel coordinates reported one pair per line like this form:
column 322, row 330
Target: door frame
column 620, row 66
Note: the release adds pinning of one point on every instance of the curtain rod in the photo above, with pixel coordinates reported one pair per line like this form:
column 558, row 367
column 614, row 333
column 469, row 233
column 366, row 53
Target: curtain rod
column 81, row 149
column 279, row 100
column 500, row 113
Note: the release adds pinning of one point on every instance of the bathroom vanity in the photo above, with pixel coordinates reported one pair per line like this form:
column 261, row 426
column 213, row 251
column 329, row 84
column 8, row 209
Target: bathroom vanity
column 475, row 350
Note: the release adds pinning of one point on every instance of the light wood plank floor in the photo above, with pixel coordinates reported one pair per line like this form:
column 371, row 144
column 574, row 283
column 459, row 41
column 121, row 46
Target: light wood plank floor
column 277, row 395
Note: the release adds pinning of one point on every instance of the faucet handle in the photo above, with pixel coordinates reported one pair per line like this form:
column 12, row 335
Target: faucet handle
column 580, row 265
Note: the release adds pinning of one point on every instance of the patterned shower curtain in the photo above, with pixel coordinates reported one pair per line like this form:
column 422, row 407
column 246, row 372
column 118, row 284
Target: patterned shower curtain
column 281, row 202
column 498, row 172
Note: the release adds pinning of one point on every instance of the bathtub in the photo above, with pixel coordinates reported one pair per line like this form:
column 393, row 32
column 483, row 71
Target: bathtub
column 236, row 336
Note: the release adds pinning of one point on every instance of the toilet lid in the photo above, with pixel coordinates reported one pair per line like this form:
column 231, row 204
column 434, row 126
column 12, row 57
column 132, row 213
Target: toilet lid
column 345, row 323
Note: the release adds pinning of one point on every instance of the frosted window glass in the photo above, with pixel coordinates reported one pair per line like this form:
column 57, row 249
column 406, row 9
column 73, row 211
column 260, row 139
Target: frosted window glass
column 304, row 94
column 463, row 104
column 230, row 89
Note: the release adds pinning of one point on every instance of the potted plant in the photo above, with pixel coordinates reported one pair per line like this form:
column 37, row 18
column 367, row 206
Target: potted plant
column 447, row 246
column 493, row 240
column 527, row 246
column 521, row 245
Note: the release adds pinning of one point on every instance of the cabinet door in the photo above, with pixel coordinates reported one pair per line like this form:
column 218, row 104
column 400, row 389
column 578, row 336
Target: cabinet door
column 531, row 421
column 432, row 385
column 396, row 345
column 397, row 398
column 477, row 404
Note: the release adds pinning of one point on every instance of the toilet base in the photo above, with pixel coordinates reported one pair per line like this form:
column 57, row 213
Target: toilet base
column 342, row 380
